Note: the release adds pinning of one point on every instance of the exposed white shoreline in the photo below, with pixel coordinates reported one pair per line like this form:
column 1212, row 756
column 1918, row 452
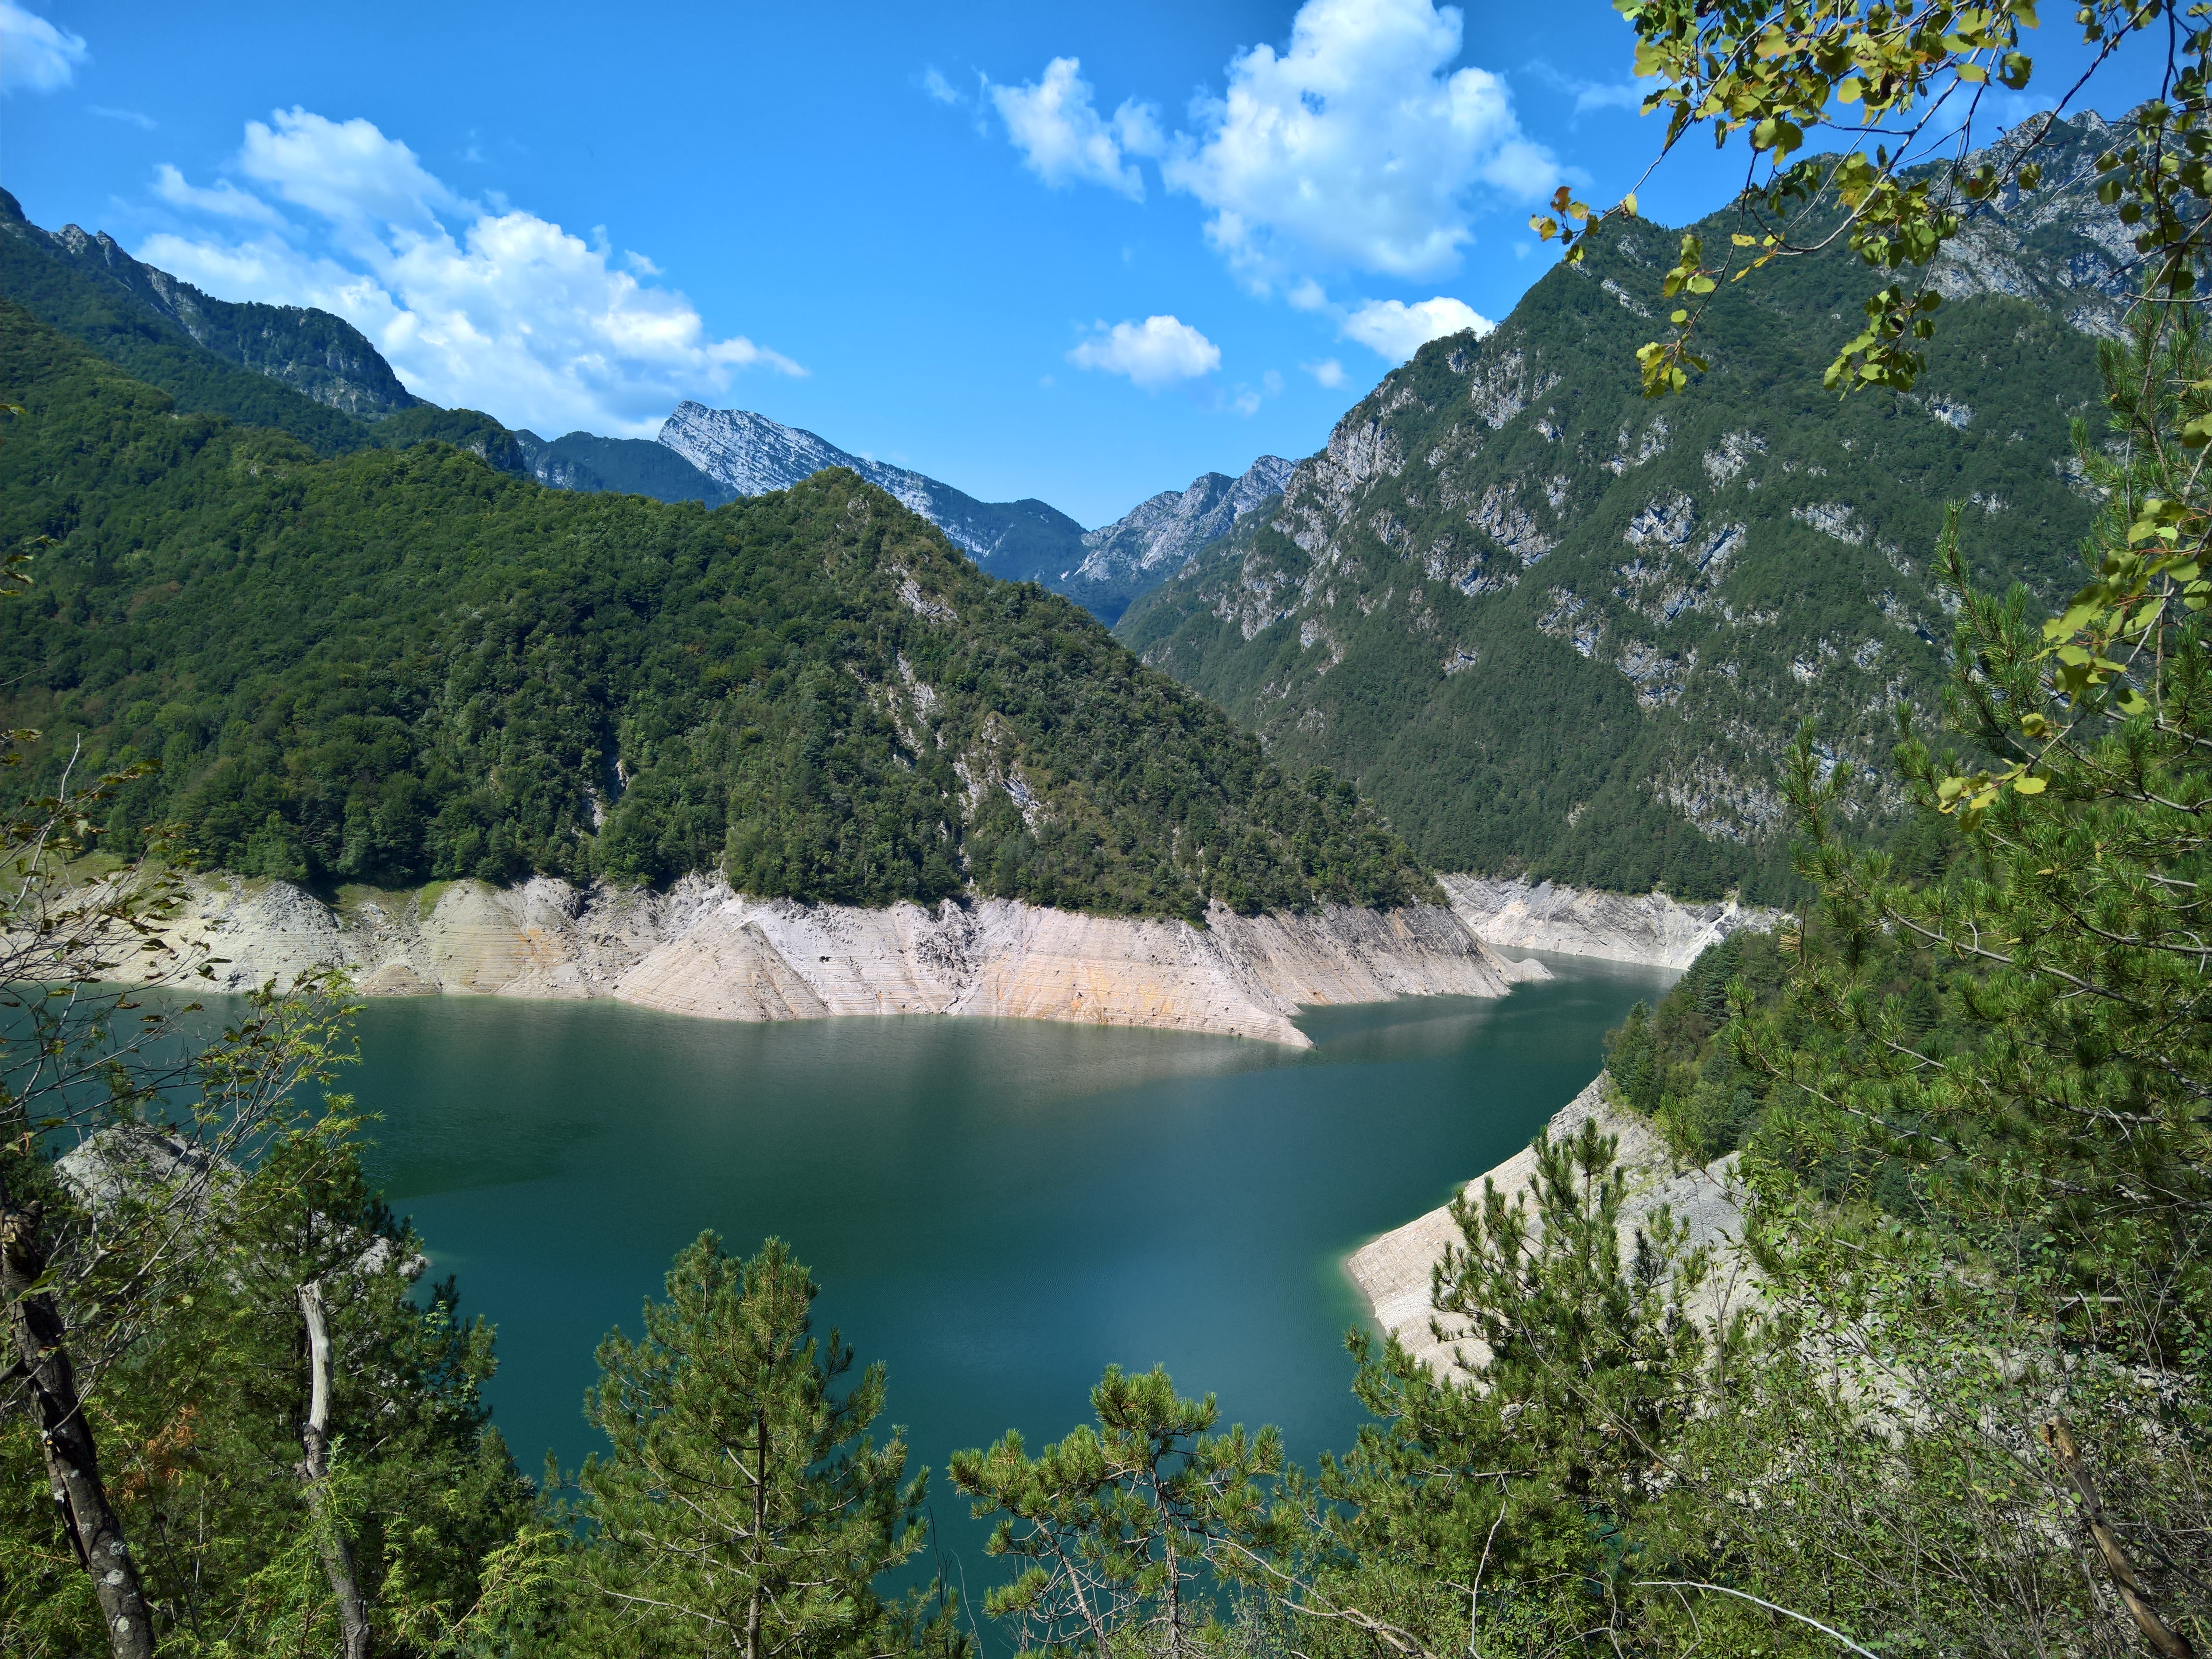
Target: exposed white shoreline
column 1649, row 929
column 701, row 949
column 1394, row 1273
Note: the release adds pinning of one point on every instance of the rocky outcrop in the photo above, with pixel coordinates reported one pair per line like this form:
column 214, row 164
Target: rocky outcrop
column 1649, row 929
column 1140, row 550
column 701, row 949
column 1393, row 1272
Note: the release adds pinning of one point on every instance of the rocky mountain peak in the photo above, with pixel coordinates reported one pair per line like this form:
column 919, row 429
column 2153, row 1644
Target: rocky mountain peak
column 1157, row 538
column 749, row 454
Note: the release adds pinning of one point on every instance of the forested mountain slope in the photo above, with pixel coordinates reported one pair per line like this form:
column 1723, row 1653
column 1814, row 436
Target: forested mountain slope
column 400, row 665
column 1554, row 628
column 67, row 280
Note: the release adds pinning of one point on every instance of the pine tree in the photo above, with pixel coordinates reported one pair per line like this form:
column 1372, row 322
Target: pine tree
column 743, row 1509
column 1125, row 1530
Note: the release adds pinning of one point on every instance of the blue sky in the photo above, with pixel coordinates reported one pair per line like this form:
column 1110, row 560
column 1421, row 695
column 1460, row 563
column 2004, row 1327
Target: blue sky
column 1081, row 253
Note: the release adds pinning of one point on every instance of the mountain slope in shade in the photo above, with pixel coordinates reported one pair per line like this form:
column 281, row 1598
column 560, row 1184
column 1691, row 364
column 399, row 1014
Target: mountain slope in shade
column 1149, row 543
column 320, row 356
column 749, row 454
column 1555, row 628
column 631, row 466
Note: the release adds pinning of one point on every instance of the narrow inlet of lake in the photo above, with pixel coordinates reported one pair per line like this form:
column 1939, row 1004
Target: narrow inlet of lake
column 995, row 1208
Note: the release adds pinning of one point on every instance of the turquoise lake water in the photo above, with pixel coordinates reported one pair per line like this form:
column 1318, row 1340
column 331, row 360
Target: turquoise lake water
column 996, row 1209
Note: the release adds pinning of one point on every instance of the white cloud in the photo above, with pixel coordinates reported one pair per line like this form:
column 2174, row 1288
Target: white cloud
column 1246, row 403
column 1157, row 352
column 1061, row 137
column 347, row 171
column 1397, row 330
column 475, row 304
column 1590, row 95
column 1624, row 94
column 34, row 54
column 1355, row 147
column 134, row 117
column 224, row 201
column 1328, row 372
column 937, row 87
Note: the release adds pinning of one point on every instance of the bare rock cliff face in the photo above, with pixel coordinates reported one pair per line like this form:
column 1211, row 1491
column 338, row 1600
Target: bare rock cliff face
column 1393, row 1271
column 749, row 454
column 1649, row 929
column 701, row 949
column 1140, row 550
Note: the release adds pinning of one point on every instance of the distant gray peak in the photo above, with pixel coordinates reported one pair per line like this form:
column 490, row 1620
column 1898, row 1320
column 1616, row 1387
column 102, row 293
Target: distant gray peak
column 1158, row 535
column 751, row 455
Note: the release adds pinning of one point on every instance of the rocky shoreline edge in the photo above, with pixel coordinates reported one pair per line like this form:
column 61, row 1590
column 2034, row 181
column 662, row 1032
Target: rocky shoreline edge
column 1394, row 1273
column 703, row 950
column 1649, row 929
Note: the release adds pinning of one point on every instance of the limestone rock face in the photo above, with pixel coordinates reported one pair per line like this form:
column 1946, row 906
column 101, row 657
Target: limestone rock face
column 1151, row 541
column 1649, row 929
column 701, row 949
column 749, row 454
column 1393, row 1271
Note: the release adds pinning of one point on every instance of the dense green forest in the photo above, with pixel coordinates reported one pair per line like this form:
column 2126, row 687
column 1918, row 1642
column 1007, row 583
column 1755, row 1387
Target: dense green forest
column 1949, row 1394
column 1553, row 628
column 404, row 665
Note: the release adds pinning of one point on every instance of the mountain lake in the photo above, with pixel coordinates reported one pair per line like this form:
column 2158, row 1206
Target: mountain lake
column 995, row 1209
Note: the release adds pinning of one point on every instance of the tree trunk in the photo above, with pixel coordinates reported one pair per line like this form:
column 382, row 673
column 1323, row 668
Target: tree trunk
column 72, row 1460
column 2166, row 1640
column 314, row 1437
column 760, row 1528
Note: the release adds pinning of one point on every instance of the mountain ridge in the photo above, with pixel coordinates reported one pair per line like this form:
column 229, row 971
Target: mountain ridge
column 749, row 454
column 319, row 355
column 311, row 374
column 1127, row 559
column 1559, row 631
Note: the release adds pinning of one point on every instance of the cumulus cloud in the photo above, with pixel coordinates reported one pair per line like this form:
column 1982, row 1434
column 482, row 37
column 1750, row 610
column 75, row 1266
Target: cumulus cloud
column 1397, row 331
column 224, row 200
column 1621, row 94
column 1063, row 140
column 347, row 171
column 1157, row 352
column 34, row 54
column 1327, row 371
column 1355, row 147
column 937, row 87
column 476, row 304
